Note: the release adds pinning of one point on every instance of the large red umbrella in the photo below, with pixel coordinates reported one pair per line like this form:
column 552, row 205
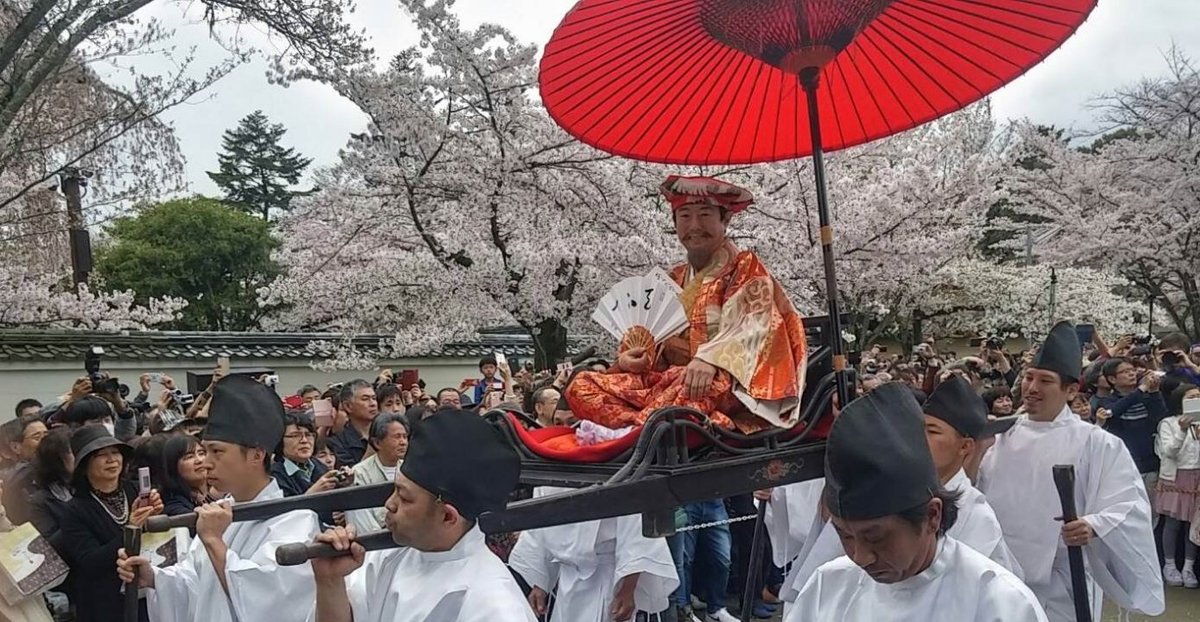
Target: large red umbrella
column 741, row 81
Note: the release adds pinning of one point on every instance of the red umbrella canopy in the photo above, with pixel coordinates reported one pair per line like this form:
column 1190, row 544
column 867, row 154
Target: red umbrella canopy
column 719, row 81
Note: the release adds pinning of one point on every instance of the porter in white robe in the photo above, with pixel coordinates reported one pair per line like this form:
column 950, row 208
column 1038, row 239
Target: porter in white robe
column 468, row 583
column 259, row 589
column 586, row 560
column 976, row 526
column 959, row 586
column 1122, row 564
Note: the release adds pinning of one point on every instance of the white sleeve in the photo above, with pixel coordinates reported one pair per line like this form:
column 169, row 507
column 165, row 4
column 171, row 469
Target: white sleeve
column 1123, row 559
column 363, row 521
column 259, row 588
column 649, row 556
column 1006, row 599
column 530, row 559
column 1169, row 439
column 171, row 598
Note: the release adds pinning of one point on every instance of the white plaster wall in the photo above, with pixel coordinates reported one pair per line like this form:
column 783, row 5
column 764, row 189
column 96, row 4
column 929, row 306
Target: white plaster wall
column 46, row 381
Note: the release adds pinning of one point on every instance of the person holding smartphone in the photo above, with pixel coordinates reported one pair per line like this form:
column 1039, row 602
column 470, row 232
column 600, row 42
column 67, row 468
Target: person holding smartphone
column 1178, row 447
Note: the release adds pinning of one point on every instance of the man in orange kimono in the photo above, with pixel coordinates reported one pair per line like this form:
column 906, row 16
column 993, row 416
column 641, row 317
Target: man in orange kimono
column 741, row 359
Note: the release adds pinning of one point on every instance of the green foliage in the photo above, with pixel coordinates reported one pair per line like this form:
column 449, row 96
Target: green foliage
column 256, row 171
column 198, row 249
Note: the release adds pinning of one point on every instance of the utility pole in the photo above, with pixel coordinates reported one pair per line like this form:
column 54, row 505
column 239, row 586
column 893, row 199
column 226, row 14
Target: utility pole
column 73, row 183
column 1053, row 295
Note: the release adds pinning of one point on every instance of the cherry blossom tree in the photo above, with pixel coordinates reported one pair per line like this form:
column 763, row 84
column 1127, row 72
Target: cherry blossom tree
column 977, row 297
column 904, row 209
column 462, row 203
column 70, row 101
column 1130, row 203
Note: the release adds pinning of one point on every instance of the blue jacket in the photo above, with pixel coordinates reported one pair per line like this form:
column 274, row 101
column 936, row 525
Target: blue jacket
column 1134, row 418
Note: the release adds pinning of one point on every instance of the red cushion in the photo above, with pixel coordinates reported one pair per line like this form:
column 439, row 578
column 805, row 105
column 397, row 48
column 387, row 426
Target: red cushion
column 559, row 443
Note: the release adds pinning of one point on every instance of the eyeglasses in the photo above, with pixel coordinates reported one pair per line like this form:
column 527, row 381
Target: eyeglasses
column 299, row 436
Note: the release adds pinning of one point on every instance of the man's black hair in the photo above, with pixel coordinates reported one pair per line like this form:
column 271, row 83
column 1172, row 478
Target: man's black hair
column 916, row 516
column 1109, row 370
column 28, row 402
column 385, row 391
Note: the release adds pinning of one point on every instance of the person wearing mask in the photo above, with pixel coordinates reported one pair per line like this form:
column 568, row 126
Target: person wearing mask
column 357, row 400
column 229, row 573
column 444, row 570
column 389, row 439
column 295, row 469
column 1114, row 528
column 599, row 567
column 1132, row 412
column 185, row 475
column 93, row 529
column 1178, row 447
column 892, row 515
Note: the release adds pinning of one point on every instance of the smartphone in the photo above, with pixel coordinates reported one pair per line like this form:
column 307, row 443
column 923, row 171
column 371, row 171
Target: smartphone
column 1085, row 332
column 323, row 413
column 975, row 343
column 565, row 366
column 223, row 365
column 470, row 382
column 501, row 359
column 409, row 377
column 1191, row 408
column 882, row 349
column 144, row 482
column 156, row 377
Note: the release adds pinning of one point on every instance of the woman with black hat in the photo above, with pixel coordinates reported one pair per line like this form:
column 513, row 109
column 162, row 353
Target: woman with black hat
column 92, row 532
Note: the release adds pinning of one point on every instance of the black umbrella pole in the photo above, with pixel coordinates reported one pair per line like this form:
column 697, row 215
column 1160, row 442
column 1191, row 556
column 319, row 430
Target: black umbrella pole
column 808, row 80
column 754, row 565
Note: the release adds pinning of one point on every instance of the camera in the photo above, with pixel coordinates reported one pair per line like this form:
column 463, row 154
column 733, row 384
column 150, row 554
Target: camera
column 1143, row 340
column 100, row 384
column 871, row 367
column 1171, row 359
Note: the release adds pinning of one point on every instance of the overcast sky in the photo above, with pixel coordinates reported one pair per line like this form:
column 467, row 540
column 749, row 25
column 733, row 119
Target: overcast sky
column 1123, row 41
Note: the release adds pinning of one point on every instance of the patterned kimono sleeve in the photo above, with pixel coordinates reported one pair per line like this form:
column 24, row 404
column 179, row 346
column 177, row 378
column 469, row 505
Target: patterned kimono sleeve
column 760, row 343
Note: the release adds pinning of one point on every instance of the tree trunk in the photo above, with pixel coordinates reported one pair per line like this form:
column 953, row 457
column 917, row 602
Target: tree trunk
column 549, row 343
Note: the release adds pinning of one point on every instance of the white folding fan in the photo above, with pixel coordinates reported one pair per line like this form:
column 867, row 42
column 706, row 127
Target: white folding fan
column 642, row 311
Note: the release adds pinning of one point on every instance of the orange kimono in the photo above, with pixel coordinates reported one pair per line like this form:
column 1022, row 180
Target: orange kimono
column 739, row 321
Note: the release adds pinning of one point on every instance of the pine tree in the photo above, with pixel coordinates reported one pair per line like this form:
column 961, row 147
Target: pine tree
column 257, row 172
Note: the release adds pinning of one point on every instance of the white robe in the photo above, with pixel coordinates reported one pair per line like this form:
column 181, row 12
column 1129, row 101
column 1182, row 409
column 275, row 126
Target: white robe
column 960, row 585
column 259, row 589
column 1122, row 564
column 468, row 583
column 789, row 518
column 976, row 527
column 586, row 560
